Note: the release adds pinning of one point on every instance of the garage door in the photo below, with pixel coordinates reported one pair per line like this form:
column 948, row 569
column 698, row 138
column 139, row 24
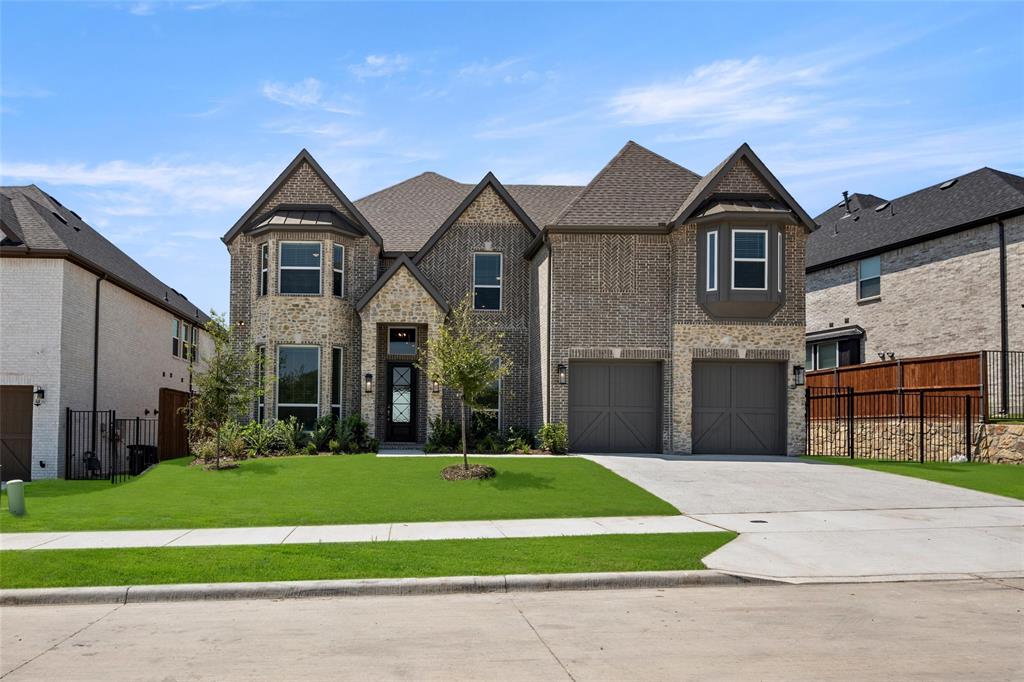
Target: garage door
column 615, row 406
column 738, row 408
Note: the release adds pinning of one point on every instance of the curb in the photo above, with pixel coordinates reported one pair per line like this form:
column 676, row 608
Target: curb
column 305, row 589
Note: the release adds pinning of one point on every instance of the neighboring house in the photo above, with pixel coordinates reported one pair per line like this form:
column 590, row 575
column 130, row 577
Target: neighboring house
column 937, row 271
column 82, row 326
column 653, row 310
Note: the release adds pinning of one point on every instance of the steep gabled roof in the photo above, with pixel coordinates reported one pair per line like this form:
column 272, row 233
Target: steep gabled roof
column 302, row 157
column 636, row 188
column 709, row 184
column 488, row 181
column 984, row 195
column 403, row 261
column 34, row 223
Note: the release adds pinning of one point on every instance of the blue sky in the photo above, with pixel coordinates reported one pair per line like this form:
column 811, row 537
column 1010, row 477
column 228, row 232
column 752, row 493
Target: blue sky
column 161, row 123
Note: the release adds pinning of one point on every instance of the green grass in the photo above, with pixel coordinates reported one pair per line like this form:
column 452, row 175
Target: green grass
column 998, row 479
column 151, row 566
column 331, row 490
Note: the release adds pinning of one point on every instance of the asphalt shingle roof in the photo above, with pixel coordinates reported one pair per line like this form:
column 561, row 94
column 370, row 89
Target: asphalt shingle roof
column 637, row 187
column 42, row 223
column 976, row 196
column 407, row 214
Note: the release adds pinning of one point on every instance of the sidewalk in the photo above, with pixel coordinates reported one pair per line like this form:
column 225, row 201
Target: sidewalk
column 370, row 532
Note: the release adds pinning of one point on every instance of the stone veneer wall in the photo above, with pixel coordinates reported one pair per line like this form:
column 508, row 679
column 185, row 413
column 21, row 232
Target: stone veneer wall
column 940, row 296
column 540, row 269
column 489, row 225
column 1001, row 444
column 401, row 301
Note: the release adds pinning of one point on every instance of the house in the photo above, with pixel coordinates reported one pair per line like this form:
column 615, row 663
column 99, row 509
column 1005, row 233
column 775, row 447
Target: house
column 86, row 328
column 939, row 270
column 653, row 310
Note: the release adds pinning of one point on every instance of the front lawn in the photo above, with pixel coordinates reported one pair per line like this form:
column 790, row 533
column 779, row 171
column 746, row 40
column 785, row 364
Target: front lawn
column 998, row 479
column 331, row 490
column 151, row 566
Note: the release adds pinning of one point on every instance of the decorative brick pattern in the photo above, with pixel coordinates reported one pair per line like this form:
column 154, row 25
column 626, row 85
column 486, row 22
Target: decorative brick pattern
column 304, row 186
column 743, row 179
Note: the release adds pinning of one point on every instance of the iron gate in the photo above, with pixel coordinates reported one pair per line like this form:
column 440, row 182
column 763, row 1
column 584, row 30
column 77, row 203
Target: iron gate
column 98, row 445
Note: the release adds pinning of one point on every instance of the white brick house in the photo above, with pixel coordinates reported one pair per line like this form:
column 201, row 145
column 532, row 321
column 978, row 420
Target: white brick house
column 57, row 352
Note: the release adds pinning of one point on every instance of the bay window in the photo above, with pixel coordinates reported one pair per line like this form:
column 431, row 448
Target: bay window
column 299, row 268
column 298, row 384
column 750, row 259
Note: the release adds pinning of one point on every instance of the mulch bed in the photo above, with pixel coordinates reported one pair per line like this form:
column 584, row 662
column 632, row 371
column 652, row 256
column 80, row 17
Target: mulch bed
column 475, row 472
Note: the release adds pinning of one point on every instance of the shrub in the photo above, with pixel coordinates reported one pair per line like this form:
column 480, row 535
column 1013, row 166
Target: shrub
column 232, row 440
column 353, row 435
column 518, row 441
column 490, row 443
column 444, row 436
column 310, row 449
column 205, row 450
column 260, row 439
column 334, row 445
column 291, row 435
column 323, row 431
column 554, row 438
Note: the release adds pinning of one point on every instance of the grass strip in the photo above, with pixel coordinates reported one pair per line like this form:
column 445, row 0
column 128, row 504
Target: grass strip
column 998, row 479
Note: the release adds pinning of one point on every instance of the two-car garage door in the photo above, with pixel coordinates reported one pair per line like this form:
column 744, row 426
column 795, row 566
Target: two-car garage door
column 738, row 407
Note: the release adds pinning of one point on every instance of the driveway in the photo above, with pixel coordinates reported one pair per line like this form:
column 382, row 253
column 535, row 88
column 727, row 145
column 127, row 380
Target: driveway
column 813, row 522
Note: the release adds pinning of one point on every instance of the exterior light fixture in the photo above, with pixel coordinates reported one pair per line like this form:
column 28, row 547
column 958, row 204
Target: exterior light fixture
column 799, row 375
column 369, row 383
column 561, row 374
column 892, row 356
column 435, row 387
column 881, row 356
column 38, row 396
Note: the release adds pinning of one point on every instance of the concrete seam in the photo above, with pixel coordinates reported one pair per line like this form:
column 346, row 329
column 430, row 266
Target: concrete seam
column 285, row 538
column 541, row 640
column 57, row 644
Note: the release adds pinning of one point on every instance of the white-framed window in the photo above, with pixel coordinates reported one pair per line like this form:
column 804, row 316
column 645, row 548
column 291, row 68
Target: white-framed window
column 401, row 340
column 175, row 337
column 298, row 384
column 264, row 267
column 823, row 355
column 778, row 271
column 869, row 278
column 338, row 270
column 750, row 260
column 298, row 271
column 186, row 346
column 195, row 343
column 712, row 261
column 487, row 273
column 490, row 406
column 336, row 374
column 261, row 380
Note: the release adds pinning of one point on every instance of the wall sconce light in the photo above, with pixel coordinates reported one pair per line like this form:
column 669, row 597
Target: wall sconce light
column 892, row 356
column 369, row 383
column 799, row 375
column 38, row 396
column 881, row 356
column 561, row 374
column 435, row 387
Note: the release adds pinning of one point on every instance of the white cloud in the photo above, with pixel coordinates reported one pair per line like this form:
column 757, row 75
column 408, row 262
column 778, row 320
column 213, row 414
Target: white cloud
column 305, row 93
column 142, row 9
column 337, row 134
column 32, row 92
column 378, row 65
column 502, row 129
column 508, row 71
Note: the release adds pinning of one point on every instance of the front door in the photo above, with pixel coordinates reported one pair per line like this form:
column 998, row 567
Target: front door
column 401, row 408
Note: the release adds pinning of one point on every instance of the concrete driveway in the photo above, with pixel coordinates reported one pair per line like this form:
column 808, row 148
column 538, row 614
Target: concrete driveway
column 812, row 522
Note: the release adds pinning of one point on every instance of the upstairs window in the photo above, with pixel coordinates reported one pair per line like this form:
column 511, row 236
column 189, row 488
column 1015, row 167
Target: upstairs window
column 185, row 345
column 175, row 334
column 195, row 343
column 869, row 278
column 298, row 384
column 299, row 270
column 264, row 267
column 750, row 259
column 712, row 261
column 338, row 265
column 487, row 281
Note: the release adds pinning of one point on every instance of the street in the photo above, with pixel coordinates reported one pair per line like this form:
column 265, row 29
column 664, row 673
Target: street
column 920, row 630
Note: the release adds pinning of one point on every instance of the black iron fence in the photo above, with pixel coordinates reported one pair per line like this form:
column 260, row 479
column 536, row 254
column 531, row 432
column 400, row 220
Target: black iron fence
column 1004, row 383
column 899, row 425
column 98, row 445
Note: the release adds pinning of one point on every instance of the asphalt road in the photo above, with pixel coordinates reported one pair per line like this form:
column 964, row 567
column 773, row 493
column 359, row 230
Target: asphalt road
column 922, row 630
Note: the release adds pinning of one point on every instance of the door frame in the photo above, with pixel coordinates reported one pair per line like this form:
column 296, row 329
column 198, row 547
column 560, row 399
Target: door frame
column 413, row 386
column 782, row 366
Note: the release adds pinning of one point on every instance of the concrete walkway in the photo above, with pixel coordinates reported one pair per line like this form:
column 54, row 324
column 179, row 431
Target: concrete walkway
column 373, row 532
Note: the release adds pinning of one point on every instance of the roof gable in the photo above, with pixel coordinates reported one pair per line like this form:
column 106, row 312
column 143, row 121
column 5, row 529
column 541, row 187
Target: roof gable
column 402, row 261
column 637, row 187
column 741, row 173
column 469, row 203
column 301, row 179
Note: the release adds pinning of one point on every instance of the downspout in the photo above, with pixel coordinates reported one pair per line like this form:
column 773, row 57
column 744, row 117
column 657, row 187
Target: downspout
column 547, row 406
column 96, row 358
column 1004, row 322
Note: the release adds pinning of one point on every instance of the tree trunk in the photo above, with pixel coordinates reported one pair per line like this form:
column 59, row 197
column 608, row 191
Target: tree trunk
column 465, row 456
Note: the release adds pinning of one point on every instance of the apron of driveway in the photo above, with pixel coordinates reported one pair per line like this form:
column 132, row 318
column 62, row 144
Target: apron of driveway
column 806, row 521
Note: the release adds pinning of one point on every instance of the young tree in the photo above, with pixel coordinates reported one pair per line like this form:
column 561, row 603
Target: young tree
column 466, row 358
column 226, row 387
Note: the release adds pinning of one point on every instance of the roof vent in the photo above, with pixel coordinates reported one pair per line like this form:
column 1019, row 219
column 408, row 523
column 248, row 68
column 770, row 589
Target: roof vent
column 59, row 217
column 881, row 207
column 947, row 184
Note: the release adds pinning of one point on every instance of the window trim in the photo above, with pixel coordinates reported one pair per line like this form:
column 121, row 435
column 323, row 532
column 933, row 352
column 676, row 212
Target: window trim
column 185, row 344
column 711, row 261
column 337, row 370
column 175, row 337
column 778, row 270
column 499, row 286
column 415, row 340
column 319, row 268
column 336, row 270
column 733, row 258
column 264, row 285
column 261, row 380
column 195, row 343
column 861, row 279
column 277, row 383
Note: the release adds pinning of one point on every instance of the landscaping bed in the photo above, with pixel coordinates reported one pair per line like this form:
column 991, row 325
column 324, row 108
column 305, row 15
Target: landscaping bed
column 342, row 489
column 429, row 558
column 998, row 479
